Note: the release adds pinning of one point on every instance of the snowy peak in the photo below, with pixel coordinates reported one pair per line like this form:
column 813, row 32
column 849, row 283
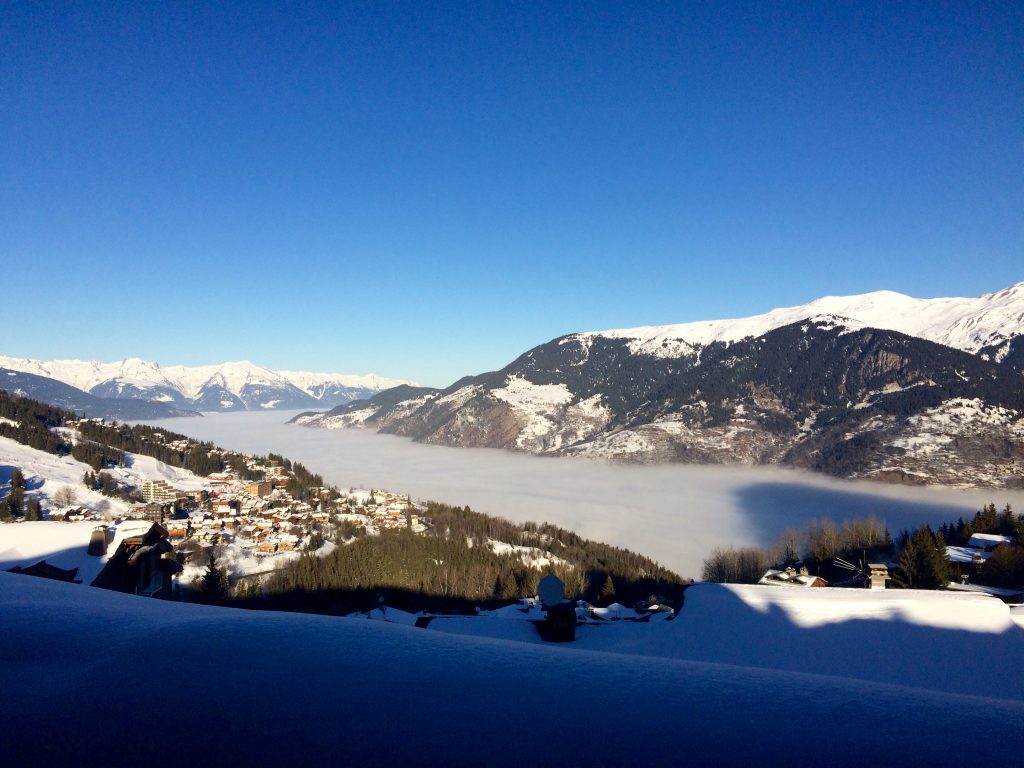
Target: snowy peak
column 969, row 324
column 228, row 386
column 310, row 382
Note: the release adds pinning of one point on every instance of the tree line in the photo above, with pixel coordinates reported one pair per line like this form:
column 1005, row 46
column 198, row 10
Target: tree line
column 451, row 566
column 14, row 504
column 920, row 555
column 816, row 547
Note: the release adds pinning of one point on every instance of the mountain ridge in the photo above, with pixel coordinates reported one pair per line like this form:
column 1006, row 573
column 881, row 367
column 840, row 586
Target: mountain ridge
column 822, row 391
column 226, row 386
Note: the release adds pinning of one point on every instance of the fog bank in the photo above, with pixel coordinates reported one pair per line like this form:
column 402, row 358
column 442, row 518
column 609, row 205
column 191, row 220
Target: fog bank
column 674, row 513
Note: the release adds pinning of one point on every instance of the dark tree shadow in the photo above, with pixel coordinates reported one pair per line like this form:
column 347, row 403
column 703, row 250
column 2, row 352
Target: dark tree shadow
column 771, row 507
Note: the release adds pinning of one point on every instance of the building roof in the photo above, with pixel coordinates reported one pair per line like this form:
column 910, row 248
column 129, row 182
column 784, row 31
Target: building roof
column 988, row 540
column 789, row 579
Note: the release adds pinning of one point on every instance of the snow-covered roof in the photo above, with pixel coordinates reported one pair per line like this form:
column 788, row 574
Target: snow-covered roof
column 988, row 540
column 966, row 555
column 788, row 579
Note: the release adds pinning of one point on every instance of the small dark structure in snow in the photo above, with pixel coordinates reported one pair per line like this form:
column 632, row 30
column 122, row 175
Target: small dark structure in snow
column 100, row 540
column 44, row 570
column 559, row 626
column 139, row 565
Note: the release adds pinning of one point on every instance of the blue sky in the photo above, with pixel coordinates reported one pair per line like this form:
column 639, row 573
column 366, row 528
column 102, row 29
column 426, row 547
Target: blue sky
column 426, row 190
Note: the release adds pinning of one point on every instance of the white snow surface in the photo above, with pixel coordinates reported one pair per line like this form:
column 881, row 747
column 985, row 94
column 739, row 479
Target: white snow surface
column 527, row 396
column 964, row 323
column 916, row 638
column 64, row 545
column 336, row 691
column 46, row 474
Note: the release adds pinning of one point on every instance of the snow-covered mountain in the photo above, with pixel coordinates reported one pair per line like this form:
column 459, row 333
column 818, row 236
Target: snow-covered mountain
column 880, row 385
column 989, row 322
column 224, row 387
column 62, row 395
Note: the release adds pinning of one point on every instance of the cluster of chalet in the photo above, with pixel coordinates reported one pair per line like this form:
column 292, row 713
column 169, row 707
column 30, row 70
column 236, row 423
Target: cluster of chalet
column 383, row 510
column 260, row 518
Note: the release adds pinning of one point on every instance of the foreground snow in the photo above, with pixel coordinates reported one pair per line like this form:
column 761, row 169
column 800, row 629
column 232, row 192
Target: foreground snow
column 933, row 640
column 265, row 688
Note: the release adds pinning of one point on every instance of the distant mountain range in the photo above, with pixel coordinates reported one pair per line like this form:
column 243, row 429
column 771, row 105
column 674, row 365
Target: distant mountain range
column 136, row 389
column 879, row 385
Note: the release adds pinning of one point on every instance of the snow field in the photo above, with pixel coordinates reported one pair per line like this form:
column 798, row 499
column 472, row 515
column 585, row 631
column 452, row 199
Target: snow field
column 336, row 691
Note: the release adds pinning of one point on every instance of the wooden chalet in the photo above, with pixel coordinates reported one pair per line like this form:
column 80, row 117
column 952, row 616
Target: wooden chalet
column 143, row 564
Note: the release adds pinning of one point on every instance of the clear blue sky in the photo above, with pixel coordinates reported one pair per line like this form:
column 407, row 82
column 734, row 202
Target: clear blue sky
column 428, row 189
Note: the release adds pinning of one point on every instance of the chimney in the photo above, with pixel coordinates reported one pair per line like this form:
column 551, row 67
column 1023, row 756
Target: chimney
column 98, row 541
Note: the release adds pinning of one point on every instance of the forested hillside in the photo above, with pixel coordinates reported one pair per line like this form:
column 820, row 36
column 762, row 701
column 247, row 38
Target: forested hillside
column 464, row 559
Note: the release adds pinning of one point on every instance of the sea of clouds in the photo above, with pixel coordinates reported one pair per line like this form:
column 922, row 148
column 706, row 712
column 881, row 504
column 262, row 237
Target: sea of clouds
column 674, row 513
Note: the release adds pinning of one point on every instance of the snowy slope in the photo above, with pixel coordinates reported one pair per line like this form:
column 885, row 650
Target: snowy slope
column 46, row 474
column 923, row 639
column 253, row 688
column 969, row 324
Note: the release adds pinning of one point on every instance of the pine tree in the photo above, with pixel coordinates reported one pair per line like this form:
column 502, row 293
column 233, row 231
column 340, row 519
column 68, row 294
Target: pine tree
column 14, row 503
column 214, row 589
column 922, row 563
column 1006, row 521
column 33, row 511
column 608, row 590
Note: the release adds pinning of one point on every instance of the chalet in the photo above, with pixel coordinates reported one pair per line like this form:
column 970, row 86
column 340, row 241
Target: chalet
column 790, row 577
column 225, row 507
column 192, row 552
column 220, row 478
column 987, row 542
column 980, row 547
column 142, row 564
column 178, row 530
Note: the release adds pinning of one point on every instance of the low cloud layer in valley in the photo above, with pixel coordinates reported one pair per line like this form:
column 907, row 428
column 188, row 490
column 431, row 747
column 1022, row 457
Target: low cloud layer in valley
column 674, row 513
